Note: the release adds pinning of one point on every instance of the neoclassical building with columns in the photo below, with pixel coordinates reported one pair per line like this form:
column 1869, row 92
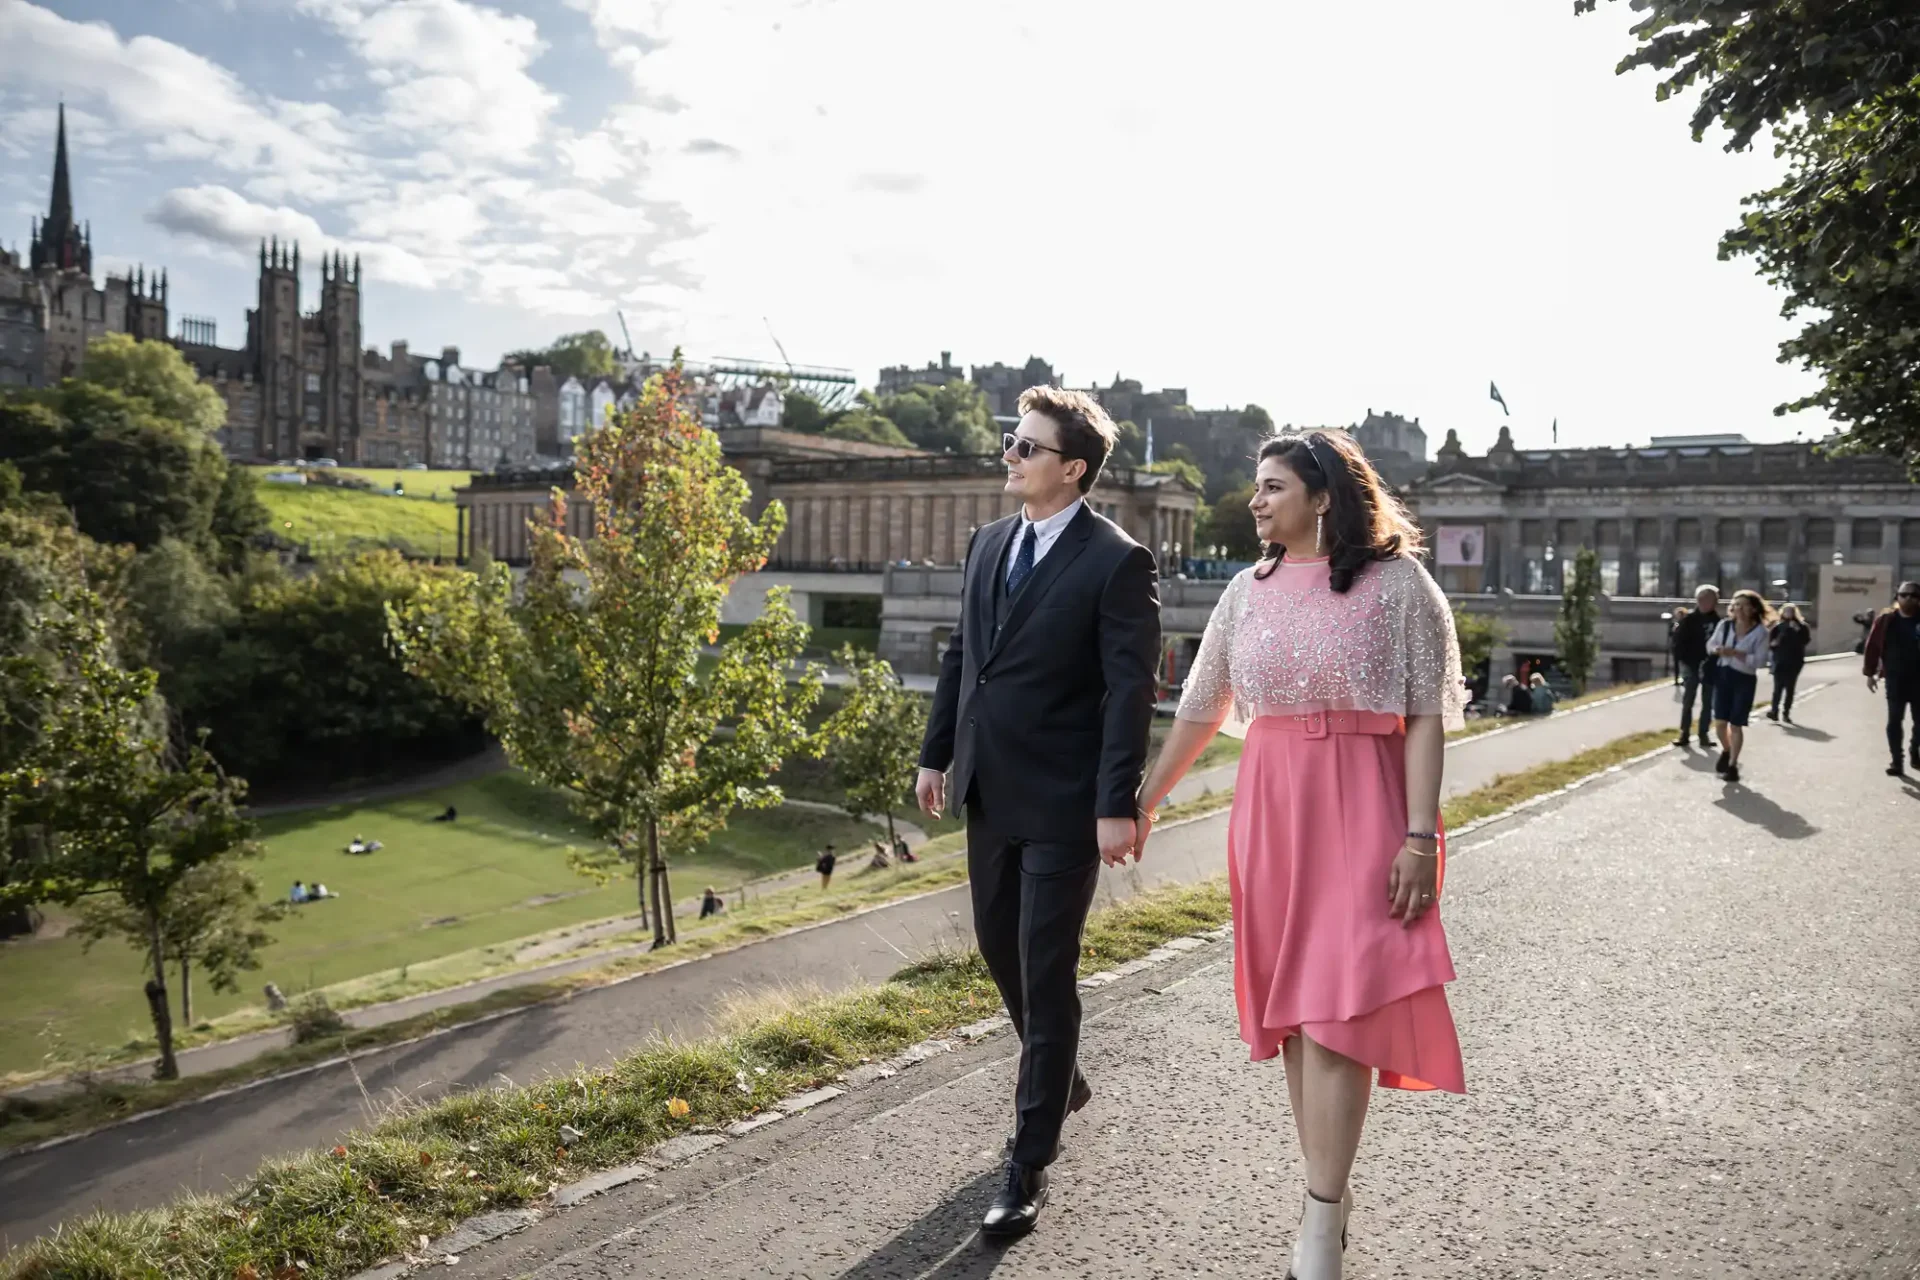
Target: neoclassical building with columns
column 853, row 511
column 1782, row 519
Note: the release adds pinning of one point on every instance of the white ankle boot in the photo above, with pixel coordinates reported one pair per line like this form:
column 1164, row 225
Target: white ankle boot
column 1322, row 1240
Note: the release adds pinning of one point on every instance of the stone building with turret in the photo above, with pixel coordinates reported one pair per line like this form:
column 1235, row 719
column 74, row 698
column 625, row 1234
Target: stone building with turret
column 50, row 308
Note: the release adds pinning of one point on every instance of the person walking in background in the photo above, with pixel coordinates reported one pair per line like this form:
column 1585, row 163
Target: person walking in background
column 1542, row 693
column 1739, row 644
column 1788, row 638
column 1893, row 655
column 710, row 903
column 825, row 866
column 1340, row 648
column 1696, row 663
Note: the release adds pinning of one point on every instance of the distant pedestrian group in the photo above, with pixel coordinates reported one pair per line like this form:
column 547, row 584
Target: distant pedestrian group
column 1718, row 659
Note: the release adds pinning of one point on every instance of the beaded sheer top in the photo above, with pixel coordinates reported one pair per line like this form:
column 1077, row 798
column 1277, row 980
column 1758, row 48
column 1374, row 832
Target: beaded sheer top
column 1288, row 644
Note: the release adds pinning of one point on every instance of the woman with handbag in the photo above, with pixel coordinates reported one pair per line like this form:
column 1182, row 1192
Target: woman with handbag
column 1739, row 644
column 1338, row 651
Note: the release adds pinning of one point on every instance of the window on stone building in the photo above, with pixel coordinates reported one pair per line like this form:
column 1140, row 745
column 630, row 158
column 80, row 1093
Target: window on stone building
column 1686, row 533
column 313, row 383
column 1609, row 576
column 313, row 413
column 1819, row 539
column 1536, row 576
column 1647, row 571
column 1866, row 535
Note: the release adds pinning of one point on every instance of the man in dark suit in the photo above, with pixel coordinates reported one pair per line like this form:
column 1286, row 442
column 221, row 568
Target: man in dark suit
column 1042, row 714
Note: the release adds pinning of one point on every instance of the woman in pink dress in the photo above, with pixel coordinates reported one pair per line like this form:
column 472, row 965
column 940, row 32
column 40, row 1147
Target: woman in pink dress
column 1338, row 653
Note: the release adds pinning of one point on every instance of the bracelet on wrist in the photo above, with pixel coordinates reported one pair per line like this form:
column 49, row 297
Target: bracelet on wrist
column 1423, row 835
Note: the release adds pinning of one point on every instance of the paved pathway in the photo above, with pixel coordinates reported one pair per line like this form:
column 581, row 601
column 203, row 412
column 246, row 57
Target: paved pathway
column 205, row 1145
column 1689, row 1048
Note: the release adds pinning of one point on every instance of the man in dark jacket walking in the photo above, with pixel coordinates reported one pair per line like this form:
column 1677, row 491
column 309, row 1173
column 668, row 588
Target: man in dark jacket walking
column 1893, row 655
column 1042, row 717
column 1696, row 665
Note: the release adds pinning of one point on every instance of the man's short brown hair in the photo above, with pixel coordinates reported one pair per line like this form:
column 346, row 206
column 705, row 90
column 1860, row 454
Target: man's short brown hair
column 1086, row 432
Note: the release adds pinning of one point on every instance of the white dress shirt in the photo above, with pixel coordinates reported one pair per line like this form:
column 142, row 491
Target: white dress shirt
column 1045, row 534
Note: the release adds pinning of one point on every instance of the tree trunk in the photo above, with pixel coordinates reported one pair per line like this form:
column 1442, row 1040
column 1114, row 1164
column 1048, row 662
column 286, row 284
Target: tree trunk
column 891, row 838
column 653, row 882
column 641, row 874
column 186, row 994
column 664, row 927
column 157, row 1004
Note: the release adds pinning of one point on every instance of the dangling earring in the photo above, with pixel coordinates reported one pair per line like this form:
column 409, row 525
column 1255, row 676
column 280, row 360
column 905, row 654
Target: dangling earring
column 1318, row 522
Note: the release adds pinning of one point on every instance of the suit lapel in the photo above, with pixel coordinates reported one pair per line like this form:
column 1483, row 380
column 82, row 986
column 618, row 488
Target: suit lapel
column 992, row 553
column 1072, row 541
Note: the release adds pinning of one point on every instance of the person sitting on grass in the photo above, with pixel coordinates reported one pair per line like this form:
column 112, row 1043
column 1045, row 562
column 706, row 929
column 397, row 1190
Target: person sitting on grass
column 710, row 903
column 299, row 893
column 1519, row 698
column 1543, row 694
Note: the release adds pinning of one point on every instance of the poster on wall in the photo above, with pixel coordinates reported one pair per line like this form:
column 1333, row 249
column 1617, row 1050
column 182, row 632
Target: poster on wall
column 1462, row 545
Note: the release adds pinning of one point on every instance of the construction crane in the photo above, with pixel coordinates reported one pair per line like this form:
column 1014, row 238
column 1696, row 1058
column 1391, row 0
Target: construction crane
column 624, row 331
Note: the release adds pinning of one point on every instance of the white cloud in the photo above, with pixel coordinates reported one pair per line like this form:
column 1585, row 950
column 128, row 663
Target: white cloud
column 225, row 219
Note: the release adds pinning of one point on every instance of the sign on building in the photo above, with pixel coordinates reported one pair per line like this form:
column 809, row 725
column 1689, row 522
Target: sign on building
column 1847, row 590
column 1462, row 546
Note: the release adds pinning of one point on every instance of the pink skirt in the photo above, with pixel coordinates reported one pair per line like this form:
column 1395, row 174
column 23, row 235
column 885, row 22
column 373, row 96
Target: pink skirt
column 1318, row 817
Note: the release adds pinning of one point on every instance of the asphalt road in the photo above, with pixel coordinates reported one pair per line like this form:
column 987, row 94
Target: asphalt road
column 205, row 1146
column 1688, row 1013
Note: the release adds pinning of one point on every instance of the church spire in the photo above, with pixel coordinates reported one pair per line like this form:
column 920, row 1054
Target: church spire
column 59, row 245
column 60, row 212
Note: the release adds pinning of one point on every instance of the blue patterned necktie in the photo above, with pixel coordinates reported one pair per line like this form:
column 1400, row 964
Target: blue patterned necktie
column 1022, row 563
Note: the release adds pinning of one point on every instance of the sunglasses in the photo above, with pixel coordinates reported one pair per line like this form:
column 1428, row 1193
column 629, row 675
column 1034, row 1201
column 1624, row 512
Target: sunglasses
column 1022, row 447
column 1902, row 595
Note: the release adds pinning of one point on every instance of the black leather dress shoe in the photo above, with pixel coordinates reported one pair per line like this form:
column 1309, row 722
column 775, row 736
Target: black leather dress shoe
column 1082, row 1094
column 1017, row 1207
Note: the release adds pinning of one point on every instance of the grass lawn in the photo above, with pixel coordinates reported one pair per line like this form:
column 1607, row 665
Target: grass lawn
column 418, row 484
column 497, row 874
column 343, row 519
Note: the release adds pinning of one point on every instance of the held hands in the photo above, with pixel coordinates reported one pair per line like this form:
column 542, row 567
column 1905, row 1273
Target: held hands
column 1119, row 839
column 930, row 788
column 1412, row 880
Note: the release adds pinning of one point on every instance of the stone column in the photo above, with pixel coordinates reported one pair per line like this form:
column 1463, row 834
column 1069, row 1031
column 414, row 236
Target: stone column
column 1753, row 559
column 1669, row 572
column 1798, row 587
column 1629, row 558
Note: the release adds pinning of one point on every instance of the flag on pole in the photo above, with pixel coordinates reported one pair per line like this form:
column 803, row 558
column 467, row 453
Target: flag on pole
column 1556, row 431
column 1493, row 389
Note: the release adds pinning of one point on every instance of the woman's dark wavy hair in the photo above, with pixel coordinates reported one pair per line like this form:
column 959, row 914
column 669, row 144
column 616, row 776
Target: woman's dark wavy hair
column 1364, row 521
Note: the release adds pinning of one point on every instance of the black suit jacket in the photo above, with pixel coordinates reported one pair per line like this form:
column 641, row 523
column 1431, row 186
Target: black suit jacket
column 1044, row 725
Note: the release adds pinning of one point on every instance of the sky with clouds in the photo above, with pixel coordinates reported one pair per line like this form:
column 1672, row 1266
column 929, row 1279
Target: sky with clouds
column 1319, row 208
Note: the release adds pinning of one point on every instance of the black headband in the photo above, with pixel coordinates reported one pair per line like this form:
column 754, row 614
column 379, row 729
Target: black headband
column 1318, row 461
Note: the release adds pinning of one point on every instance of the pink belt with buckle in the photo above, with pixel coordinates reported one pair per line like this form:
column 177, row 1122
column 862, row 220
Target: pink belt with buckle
column 1318, row 724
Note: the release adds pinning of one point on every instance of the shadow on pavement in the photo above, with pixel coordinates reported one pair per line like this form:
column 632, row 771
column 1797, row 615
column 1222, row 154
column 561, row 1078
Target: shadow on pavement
column 1751, row 806
column 944, row 1244
column 1803, row 731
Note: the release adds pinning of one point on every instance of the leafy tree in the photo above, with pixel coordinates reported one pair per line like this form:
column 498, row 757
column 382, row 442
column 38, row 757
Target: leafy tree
column 1479, row 634
column 1840, row 235
column 955, row 418
column 1227, row 523
column 591, row 677
column 865, row 424
column 107, row 804
column 301, row 680
column 180, row 608
column 801, row 412
column 588, row 354
column 157, row 373
column 127, row 474
column 239, row 517
column 1186, row 468
column 1575, row 631
column 1255, row 421
column 1129, row 445
column 214, row 919
column 876, row 738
